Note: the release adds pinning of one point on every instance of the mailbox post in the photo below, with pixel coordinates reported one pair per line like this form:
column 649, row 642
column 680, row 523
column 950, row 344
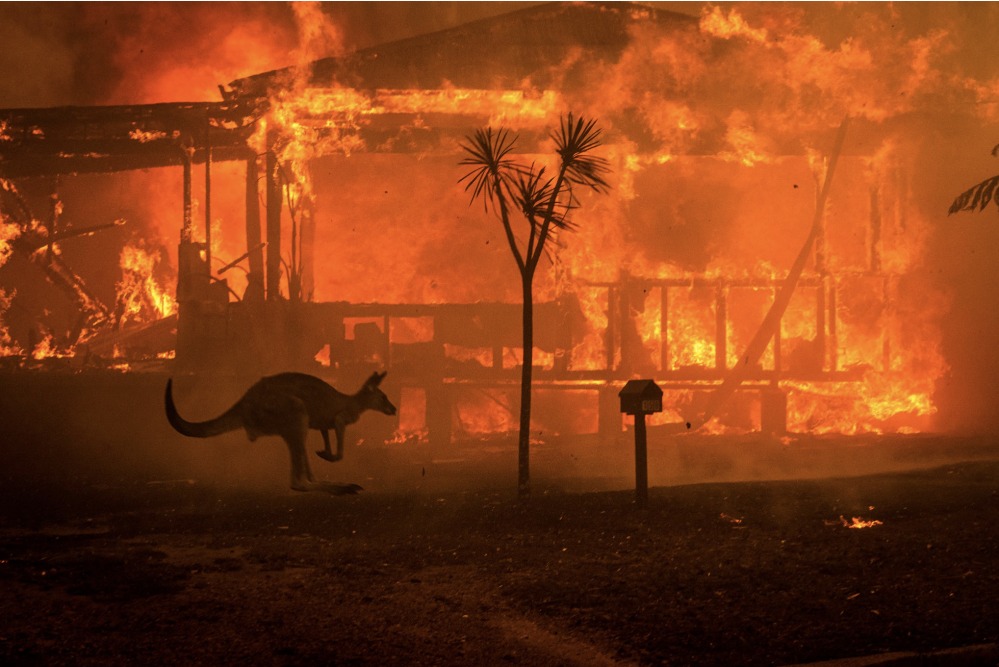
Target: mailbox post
column 640, row 398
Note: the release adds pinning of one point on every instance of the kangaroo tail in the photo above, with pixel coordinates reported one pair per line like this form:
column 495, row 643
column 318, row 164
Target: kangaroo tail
column 227, row 421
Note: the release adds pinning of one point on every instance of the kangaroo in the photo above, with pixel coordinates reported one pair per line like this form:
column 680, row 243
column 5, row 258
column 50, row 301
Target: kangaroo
column 288, row 405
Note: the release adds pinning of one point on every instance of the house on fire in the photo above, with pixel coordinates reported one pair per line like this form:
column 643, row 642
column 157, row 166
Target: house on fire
column 355, row 246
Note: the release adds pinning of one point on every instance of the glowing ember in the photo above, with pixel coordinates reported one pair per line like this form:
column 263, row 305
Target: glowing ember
column 143, row 136
column 858, row 523
column 855, row 522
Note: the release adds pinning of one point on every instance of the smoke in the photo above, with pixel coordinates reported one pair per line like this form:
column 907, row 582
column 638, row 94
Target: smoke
column 59, row 54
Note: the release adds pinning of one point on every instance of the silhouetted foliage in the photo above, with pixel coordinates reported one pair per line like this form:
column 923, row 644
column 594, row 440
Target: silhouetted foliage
column 544, row 201
column 978, row 197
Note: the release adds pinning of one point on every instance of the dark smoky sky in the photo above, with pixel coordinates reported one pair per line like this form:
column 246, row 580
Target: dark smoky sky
column 87, row 53
column 54, row 54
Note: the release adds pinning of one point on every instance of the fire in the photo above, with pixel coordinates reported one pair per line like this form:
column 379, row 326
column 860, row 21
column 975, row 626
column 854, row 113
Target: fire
column 859, row 523
column 482, row 412
column 47, row 348
column 697, row 319
column 140, row 297
column 323, row 356
column 674, row 273
column 715, row 22
column 7, row 346
column 8, row 233
column 855, row 523
column 744, row 141
column 311, row 122
column 513, row 109
column 144, row 137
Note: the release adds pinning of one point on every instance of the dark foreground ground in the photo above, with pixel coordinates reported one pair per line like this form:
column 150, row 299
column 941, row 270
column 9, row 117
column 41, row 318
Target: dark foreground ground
column 122, row 542
column 748, row 573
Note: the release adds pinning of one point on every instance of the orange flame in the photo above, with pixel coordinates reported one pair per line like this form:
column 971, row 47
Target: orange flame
column 7, row 346
column 139, row 296
column 859, row 523
column 884, row 349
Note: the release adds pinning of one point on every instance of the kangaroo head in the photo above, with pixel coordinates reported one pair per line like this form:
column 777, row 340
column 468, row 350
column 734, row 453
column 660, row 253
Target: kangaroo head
column 373, row 398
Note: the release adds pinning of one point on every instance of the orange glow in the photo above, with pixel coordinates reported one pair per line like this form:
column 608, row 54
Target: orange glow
column 672, row 272
column 139, row 295
column 412, row 417
column 47, row 349
column 323, row 356
column 480, row 356
column 7, row 346
column 482, row 412
column 715, row 22
column 143, row 136
column 859, row 523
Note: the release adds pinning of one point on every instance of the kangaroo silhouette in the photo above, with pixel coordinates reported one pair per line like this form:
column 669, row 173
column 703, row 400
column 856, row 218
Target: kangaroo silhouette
column 288, row 405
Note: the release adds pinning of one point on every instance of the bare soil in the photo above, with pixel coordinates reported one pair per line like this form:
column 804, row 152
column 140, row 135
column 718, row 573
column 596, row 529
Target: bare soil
column 755, row 573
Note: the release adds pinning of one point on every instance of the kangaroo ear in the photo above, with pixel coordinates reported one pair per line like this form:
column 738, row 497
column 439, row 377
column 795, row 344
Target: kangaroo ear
column 375, row 379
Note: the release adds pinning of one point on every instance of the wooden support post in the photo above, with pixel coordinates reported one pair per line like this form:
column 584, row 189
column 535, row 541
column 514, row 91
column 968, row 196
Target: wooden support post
column 874, row 250
column 610, row 336
column 208, row 197
column 273, row 225
column 253, row 240
column 833, row 341
column 886, row 333
column 186, row 231
column 777, row 352
column 641, row 462
column 307, row 243
column 665, row 363
column 721, row 328
column 821, row 339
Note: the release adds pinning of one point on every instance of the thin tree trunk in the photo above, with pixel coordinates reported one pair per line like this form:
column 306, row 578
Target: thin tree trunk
column 524, row 444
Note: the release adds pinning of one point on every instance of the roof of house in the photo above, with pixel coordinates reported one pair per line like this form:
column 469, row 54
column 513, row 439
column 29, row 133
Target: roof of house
column 537, row 44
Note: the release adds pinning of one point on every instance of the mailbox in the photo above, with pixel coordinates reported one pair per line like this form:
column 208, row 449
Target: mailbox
column 641, row 397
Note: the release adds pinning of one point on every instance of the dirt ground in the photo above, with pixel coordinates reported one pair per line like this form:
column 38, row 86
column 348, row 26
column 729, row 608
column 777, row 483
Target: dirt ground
column 711, row 574
column 122, row 543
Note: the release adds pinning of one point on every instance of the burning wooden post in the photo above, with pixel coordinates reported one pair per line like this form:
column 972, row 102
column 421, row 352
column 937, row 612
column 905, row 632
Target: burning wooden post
column 273, row 189
column 640, row 398
column 254, row 243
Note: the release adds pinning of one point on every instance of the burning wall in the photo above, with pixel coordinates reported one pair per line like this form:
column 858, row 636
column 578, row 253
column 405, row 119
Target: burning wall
column 720, row 130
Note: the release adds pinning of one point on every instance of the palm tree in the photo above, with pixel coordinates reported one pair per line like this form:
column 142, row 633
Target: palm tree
column 544, row 203
column 978, row 197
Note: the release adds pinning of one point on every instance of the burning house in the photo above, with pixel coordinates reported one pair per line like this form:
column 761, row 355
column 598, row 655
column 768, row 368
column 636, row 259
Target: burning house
column 764, row 221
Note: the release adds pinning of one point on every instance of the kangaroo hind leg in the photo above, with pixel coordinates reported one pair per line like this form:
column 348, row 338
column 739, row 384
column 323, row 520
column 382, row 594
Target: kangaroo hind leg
column 301, row 475
column 294, row 434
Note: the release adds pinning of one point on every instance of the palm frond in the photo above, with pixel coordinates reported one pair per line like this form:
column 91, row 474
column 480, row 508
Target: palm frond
column 977, row 197
column 534, row 193
column 575, row 139
column 488, row 153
